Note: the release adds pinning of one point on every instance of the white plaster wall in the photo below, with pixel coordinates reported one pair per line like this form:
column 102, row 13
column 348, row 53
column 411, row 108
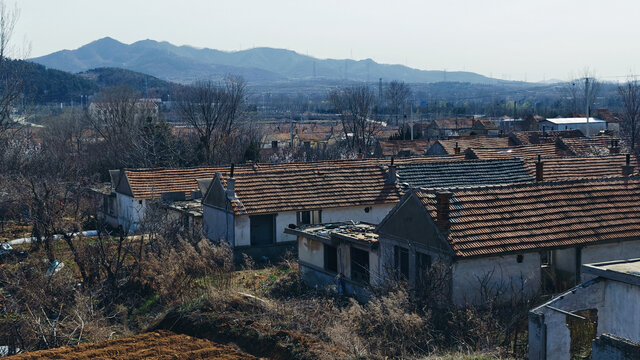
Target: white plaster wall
column 504, row 274
column 130, row 212
column 620, row 314
column 242, row 231
column 218, row 224
column 357, row 213
column 311, row 251
column 282, row 222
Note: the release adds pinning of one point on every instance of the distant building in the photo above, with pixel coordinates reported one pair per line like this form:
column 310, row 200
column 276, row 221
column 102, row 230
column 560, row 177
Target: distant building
column 401, row 148
column 449, row 127
column 578, row 123
column 601, row 314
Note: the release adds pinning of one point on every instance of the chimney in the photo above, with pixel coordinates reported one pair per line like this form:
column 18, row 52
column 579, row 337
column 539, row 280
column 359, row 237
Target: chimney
column 231, row 184
column 456, row 150
column 539, row 170
column 614, row 148
column 628, row 169
column 443, row 200
column 392, row 175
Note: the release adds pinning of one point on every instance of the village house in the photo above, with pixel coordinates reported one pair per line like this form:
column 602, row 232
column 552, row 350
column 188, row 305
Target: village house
column 518, row 138
column 485, row 127
column 600, row 313
column 133, row 191
column 347, row 248
column 516, row 240
column 250, row 210
column 459, row 145
column 449, row 127
column 400, row 148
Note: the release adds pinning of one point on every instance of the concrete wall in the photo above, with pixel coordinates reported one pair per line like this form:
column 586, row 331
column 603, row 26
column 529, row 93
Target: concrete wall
column 608, row 347
column 357, row 213
column 242, row 230
column 617, row 305
column 311, row 251
column 549, row 336
column 502, row 277
column 620, row 314
column 130, row 211
column 218, row 224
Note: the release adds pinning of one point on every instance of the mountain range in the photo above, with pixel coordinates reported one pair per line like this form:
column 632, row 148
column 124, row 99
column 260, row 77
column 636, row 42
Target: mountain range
column 186, row 64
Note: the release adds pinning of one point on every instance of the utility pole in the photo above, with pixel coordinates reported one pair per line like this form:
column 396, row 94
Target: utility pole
column 412, row 121
column 586, row 101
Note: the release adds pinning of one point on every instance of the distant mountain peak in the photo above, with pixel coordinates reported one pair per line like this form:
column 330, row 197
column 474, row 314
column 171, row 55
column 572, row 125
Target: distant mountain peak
column 186, row 64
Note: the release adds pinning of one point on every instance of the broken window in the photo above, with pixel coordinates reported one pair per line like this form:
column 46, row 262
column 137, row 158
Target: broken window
column 309, row 217
column 359, row 265
column 401, row 259
column 330, row 258
column 423, row 263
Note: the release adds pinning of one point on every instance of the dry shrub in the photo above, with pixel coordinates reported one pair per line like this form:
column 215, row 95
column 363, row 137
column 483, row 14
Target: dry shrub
column 181, row 267
column 389, row 324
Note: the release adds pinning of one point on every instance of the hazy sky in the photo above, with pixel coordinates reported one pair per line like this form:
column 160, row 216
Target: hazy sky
column 517, row 40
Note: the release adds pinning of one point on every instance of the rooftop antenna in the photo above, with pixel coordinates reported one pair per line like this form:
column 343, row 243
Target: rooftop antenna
column 412, row 121
column 146, row 88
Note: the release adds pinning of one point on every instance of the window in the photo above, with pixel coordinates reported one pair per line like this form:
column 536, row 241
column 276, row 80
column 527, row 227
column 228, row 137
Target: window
column 359, row 265
column 331, row 258
column 261, row 230
column 309, row 217
column 274, row 144
column 519, row 258
column 423, row 263
column 140, row 202
column 401, row 261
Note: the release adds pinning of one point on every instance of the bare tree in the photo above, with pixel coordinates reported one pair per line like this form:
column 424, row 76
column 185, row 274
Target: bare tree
column 582, row 91
column 212, row 109
column 355, row 105
column 630, row 97
column 397, row 93
column 10, row 80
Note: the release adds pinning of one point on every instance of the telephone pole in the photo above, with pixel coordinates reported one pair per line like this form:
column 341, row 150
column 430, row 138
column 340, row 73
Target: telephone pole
column 586, row 101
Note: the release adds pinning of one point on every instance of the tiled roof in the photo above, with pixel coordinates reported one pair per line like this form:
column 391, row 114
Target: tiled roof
column 454, row 124
column 546, row 150
column 278, row 190
column 591, row 146
column 152, row 183
column 475, row 142
column 464, row 173
column 393, row 147
column 540, row 137
column 567, row 168
column 525, row 217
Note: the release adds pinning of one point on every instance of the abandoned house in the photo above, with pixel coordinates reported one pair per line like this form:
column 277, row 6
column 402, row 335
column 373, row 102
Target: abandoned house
column 133, row 191
column 512, row 240
column 250, row 210
column 347, row 248
column 600, row 314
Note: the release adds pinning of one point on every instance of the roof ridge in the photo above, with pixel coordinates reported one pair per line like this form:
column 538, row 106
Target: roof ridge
column 582, row 180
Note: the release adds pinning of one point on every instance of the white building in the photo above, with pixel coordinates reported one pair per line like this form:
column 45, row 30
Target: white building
column 578, row 123
column 607, row 306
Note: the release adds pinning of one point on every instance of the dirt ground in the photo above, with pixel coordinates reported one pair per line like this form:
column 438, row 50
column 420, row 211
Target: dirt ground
column 159, row 344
